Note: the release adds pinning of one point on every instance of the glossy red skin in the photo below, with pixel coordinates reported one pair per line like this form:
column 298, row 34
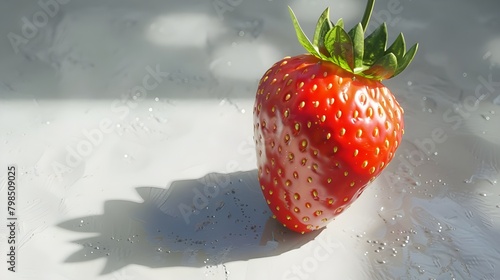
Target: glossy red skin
column 308, row 183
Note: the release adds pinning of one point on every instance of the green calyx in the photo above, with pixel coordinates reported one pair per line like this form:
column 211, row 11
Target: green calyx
column 367, row 57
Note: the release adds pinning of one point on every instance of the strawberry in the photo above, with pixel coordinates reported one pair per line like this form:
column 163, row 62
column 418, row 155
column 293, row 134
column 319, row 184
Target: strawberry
column 324, row 124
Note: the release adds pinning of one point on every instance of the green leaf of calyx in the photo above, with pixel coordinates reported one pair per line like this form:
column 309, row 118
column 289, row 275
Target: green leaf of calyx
column 303, row 40
column 322, row 27
column 398, row 48
column 340, row 23
column 358, row 41
column 384, row 68
column 375, row 45
column 339, row 45
column 408, row 57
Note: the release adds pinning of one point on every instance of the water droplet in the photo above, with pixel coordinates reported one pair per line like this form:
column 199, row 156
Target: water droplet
column 410, row 83
column 157, row 99
column 464, row 74
column 485, row 117
column 150, row 109
column 241, row 33
column 428, row 104
column 125, row 155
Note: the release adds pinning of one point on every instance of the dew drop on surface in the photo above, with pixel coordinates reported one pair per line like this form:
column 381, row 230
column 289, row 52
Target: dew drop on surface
column 428, row 104
column 410, row 83
column 486, row 117
column 464, row 74
column 150, row 109
column 157, row 99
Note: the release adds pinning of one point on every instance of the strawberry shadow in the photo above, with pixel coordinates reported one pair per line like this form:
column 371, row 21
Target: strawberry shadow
column 198, row 222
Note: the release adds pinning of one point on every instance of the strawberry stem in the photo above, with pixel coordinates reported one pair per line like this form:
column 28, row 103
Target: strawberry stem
column 367, row 14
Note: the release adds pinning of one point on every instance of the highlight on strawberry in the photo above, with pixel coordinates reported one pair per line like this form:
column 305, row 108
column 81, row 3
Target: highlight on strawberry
column 324, row 124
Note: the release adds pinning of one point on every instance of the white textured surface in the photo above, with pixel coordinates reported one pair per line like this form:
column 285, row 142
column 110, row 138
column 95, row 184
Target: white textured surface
column 106, row 175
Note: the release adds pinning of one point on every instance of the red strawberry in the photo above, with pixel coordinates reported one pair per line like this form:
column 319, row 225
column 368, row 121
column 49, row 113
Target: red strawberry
column 325, row 126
